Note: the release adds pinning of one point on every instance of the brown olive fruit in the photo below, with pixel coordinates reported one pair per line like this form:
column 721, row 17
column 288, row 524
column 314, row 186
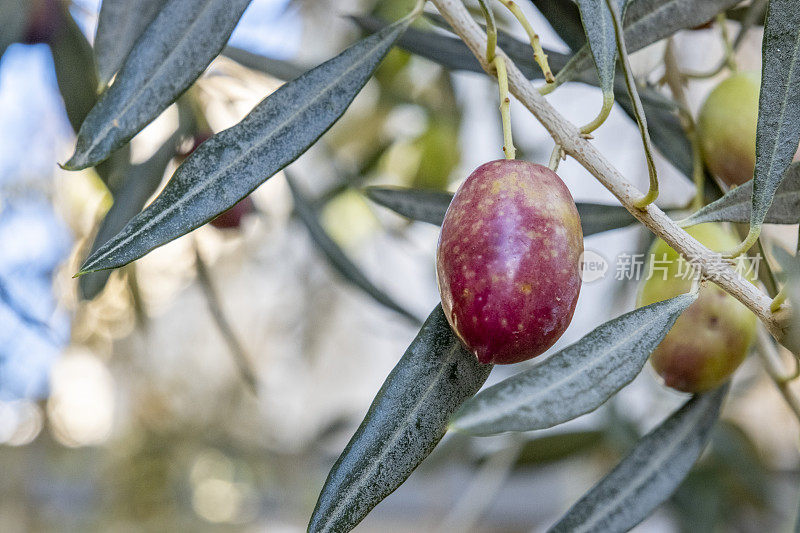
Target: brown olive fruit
column 508, row 261
column 711, row 338
column 44, row 19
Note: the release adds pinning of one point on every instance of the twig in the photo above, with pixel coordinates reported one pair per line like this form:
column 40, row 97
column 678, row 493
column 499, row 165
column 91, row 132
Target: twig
column 568, row 136
column 240, row 358
column 538, row 52
column 481, row 491
column 773, row 364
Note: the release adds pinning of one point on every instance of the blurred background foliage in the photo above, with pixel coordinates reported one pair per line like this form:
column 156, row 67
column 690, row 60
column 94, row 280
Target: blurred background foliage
column 122, row 404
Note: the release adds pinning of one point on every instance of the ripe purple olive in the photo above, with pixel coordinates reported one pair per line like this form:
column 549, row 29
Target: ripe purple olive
column 711, row 338
column 232, row 218
column 509, row 261
column 44, row 19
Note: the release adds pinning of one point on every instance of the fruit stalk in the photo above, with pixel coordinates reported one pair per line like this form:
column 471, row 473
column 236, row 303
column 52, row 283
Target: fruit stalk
column 568, row 136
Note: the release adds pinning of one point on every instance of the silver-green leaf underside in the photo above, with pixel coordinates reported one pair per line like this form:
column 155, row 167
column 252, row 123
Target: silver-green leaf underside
column 736, row 205
column 599, row 27
column 648, row 21
column 778, row 131
column 119, row 25
column 336, row 256
column 230, row 165
column 404, row 423
column 431, row 206
column 575, row 380
column 649, row 474
column 170, row 55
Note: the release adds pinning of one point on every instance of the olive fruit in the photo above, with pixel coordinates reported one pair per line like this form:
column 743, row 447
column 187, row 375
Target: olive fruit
column 509, row 261
column 44, row 19
column 711, row 337
column 232, row 218
column 727, row 127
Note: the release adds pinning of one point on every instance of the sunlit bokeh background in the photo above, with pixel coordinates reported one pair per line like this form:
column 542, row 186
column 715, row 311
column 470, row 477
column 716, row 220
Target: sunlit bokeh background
column 129, row 413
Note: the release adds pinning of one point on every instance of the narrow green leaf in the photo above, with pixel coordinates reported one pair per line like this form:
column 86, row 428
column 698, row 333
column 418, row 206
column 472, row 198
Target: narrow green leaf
column 565, row 18
column 575, row 380
column 336, row 256
column 75, row 70
column 230, row 165
column 140, row 183
column 649, row 474
column 599, row 27
column 170, row 55
column 119, row 25
column 736, row 205
column 282, row 70
column 648, row 21
column 431, row 206
column 778, row 131
column 14, row 14
column 415, row 204
column 404, row 423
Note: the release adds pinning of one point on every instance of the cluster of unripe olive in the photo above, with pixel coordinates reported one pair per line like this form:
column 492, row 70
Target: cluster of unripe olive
column 509, row 258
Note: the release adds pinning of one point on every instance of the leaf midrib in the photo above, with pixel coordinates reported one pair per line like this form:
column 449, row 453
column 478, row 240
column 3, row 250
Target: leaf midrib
column 395, row 436
column 203, row 185
column 521, row 402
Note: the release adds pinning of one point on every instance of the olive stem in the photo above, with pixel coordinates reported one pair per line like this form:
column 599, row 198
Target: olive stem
column 240, row 358
column 555, row 157
column 638, row 110
column 778, row 300
column 608, row 104
column 746, row 244
column 538, row 53
column 505, row 107
column 773, row 364
column 568, row 136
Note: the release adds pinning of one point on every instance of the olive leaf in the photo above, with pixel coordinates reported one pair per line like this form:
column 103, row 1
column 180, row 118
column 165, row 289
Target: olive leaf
column 600, row 34
column 650, row 473
column 431, row 206
column 404, row 423
column 736, row 205
column 576, row 380
column 119, row 25
column 230, row 165
column 565, row 18
column 336, row 256
column 282, row 70
column 416, row 204
column 778, row 130
column 648, row 21
column 140, row 183
column 14, row 14
column 170, row 55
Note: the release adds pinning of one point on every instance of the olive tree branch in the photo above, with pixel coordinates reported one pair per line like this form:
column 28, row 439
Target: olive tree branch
column 568, row 136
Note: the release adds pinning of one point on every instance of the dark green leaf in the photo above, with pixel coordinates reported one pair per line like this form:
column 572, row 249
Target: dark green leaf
column 575, row 380
column 649, row 474
column 140, row 183
column 14, row 17
column 736, row 205
column 778, row 132
column 551, row 448
column 565, row 18
column 404, row 423
column 416, row 204
column 75, row 70
column 119, row 25
column 336, row 256
column 230, row 165
column 282, row 70
column 648, row 21
column 431, row 206
column 599, row 26
column 170, row 55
